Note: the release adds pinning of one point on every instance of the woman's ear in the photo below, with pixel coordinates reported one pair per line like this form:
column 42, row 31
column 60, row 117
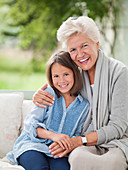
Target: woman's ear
column 98, row 45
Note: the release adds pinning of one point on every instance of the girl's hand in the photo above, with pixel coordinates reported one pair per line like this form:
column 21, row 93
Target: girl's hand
column 43, row 97
column 63, row 140
column 57, row 151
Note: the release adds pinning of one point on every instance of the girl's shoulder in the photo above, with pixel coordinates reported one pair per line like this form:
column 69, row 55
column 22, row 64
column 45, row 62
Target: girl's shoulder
column 82, row 99
column 50, row 90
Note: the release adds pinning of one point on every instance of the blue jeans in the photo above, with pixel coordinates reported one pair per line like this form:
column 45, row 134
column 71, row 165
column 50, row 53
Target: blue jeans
column 34, row 160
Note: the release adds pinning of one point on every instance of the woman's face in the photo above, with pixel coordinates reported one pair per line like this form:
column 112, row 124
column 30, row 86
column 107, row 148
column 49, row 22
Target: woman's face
column 63, row 78
column 83, row 51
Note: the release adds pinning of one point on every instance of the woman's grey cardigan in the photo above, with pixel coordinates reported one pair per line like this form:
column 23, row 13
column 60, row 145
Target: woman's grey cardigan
column 109, row 103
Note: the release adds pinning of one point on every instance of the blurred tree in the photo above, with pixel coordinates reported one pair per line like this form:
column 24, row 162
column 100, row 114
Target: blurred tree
column 35, row 22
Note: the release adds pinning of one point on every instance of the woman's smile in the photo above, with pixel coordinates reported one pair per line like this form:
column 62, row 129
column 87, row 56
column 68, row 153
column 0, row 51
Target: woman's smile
column 84, row 61
column 83, row 51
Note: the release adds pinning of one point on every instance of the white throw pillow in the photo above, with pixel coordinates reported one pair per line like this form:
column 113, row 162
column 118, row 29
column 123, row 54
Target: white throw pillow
column 26, row 109
column 10, row 120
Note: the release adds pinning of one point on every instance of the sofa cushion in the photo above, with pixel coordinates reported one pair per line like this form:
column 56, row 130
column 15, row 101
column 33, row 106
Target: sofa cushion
column 10, row 120
column 26, row 109
column 5, row 164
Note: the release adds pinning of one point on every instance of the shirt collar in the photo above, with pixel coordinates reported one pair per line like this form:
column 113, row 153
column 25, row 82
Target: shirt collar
column 80, row 98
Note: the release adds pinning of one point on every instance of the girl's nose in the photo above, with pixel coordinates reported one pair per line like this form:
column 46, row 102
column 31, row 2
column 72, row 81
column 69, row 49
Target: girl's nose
column 61, row 79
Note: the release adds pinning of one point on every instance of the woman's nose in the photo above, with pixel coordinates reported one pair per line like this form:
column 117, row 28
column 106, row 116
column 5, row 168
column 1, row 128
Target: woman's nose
column 79, row 53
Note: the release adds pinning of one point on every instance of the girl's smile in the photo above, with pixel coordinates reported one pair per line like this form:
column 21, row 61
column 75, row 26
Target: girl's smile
column 63, row 78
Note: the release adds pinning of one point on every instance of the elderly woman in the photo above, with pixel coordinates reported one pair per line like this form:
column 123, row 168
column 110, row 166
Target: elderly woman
column 103, row 144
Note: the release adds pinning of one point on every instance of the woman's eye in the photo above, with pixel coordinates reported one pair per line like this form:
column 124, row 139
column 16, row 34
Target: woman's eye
column 84, row 45
column 72, row 50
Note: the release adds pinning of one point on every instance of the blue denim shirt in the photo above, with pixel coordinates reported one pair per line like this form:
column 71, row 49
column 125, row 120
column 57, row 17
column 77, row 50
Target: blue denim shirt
column 56, row 118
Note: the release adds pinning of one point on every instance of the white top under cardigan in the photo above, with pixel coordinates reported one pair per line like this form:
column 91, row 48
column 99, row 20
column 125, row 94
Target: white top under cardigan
column 109, row 103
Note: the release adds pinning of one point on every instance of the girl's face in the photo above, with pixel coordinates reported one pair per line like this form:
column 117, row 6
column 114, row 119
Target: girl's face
column 83, row 51
column 62, row 78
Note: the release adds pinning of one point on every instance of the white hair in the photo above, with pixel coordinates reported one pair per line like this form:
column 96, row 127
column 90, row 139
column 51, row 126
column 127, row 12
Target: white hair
column 72, row 25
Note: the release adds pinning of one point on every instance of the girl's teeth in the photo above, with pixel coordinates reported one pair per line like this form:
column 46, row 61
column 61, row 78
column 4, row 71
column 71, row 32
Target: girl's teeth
column 64, row 86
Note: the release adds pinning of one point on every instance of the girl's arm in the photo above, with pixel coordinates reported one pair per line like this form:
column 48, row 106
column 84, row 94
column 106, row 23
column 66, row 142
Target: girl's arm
column 33, row 120
column 62, row 139
column 43, row 97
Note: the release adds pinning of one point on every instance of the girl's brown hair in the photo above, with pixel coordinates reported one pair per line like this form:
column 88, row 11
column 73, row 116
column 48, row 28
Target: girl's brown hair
column 63, row 58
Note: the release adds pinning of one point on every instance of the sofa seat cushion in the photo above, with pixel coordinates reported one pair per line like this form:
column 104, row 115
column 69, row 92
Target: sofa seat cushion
column 5, row 164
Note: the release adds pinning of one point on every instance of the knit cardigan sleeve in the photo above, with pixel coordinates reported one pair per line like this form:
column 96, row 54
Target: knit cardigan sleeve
column 118, row 107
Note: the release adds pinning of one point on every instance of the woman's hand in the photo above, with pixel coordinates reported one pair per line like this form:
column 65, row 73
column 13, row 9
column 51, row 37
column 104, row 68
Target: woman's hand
column 63, row 140
column 58, row 151
column 43, row 97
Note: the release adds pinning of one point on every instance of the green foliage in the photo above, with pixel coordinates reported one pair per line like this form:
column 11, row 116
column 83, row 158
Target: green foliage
column 22, row 65
column 19, row 81
column 35, row 22
column 39, row 20
column 17, row 74
column 13, row 65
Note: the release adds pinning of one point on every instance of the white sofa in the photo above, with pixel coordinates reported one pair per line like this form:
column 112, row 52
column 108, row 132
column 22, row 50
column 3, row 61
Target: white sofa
column 13, row 110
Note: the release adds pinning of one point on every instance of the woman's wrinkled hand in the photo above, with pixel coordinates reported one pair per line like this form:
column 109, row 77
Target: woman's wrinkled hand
column 42, row 98
column 57, row 151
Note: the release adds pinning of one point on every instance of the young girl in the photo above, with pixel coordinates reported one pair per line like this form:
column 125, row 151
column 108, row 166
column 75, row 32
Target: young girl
column 56, row 123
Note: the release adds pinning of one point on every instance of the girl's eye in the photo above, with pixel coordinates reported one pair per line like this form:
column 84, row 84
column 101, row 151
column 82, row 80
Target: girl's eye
column 55, row 76
column 66, row 74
